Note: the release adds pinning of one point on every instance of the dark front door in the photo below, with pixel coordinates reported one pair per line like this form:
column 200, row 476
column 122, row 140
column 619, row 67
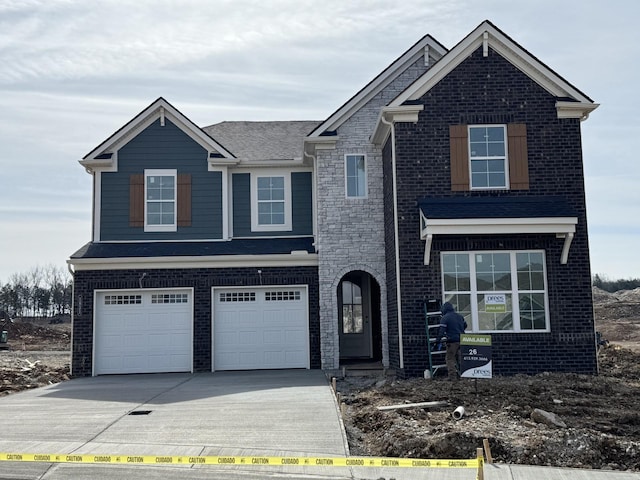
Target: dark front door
column 354, row 311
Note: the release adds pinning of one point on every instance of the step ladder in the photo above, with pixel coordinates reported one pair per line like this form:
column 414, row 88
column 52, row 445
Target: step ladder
column 437, row 357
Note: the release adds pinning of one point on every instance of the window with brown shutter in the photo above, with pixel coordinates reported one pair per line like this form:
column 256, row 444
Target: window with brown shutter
column 137, row 200
column 518, row 163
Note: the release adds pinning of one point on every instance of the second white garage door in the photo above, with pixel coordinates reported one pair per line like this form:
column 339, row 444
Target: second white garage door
column 260, row 328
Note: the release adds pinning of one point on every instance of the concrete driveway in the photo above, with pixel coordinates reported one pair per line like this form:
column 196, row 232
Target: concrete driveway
column 258, row 413
column 286, row 413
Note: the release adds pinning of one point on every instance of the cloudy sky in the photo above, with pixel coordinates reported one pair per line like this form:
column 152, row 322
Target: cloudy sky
column 73, row 72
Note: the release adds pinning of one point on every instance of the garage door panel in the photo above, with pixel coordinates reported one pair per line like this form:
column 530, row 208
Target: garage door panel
column 136, row 334
column 262, row 327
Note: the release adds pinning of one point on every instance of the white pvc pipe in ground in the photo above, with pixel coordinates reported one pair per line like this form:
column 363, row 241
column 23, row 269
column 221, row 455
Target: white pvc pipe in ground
column 458, row 413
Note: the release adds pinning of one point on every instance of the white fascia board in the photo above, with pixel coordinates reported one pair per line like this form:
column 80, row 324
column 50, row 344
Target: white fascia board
column 312, row 144
column 481, row 226
column 293, row 259
column 579, row 110
column 503, row 45
column 293, row 162
column 380, row 82
column 402, row 113
column 158, row 109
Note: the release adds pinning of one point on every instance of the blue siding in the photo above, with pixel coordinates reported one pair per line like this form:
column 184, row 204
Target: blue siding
column 301, row 206
column 157, row 148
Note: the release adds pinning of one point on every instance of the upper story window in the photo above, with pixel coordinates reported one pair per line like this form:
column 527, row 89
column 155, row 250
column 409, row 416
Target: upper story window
column 488, row 157
column 160, row 206
column 271, row 202
column 503, row 291
column 355, row 176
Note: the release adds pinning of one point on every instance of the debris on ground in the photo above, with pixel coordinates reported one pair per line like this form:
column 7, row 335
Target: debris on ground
column 553, row 419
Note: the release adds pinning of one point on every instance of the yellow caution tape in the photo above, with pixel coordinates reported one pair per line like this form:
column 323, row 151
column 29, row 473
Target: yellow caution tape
column 243, row 461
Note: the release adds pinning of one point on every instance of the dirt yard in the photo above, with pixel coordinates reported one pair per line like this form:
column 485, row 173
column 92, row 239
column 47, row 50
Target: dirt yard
column 601, row 414
column 38, row 354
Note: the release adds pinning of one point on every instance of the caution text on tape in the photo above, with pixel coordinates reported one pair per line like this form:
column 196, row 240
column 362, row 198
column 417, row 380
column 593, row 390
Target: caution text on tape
column 245, row 461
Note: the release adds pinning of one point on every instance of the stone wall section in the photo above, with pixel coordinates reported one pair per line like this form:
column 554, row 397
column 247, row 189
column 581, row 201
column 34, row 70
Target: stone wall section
column 351, row 231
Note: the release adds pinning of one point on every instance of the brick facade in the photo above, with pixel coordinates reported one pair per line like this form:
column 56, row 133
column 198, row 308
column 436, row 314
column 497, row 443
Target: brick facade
column 201, row 280
column 484, row 90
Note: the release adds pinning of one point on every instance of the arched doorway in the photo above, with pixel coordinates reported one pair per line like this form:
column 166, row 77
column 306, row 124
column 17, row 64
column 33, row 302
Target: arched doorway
column 359, row 317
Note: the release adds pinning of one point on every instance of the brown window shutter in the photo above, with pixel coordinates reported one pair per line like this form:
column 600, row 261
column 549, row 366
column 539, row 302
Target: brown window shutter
column 136, row 200
column 184, row 200
column 518, row 157
column 459, row 147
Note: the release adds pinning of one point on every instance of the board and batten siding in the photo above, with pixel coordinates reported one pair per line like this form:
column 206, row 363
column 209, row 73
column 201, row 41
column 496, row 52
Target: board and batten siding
column 301, row 206
column 159, row 147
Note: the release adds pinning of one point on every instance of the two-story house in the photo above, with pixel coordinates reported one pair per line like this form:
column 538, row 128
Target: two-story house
column 454, row 174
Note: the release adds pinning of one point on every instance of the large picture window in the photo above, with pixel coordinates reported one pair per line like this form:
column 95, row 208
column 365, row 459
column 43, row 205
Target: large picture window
column 501, row 291
column 160, row 212
column 488, row 156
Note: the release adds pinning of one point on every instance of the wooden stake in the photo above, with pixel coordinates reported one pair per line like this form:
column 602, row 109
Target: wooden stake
column 480, row 457
column 487, row 450
column 333, row 383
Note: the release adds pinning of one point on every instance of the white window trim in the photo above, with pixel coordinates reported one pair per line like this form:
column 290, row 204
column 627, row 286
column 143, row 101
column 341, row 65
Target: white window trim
column 474, row 327
column 365, row 194
column 255, row 226
column 506, row 156
column 162, row 228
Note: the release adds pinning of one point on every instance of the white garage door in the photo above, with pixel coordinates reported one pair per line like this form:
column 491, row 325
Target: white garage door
column 260, row 328
column 142, row 331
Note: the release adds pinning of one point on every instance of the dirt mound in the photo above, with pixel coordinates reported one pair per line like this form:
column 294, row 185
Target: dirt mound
column 632, row 296
column 618, row 316
column 36, row 355
column 601, row 414
column 37, row 336
column 602, row 296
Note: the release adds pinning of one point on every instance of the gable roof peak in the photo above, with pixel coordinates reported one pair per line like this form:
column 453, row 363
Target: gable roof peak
column 105, row 155
column 488, row 35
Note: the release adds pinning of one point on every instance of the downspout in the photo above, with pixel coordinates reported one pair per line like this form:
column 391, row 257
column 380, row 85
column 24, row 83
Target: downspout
column 396, row 234
column 73, row 311
column 314, row 193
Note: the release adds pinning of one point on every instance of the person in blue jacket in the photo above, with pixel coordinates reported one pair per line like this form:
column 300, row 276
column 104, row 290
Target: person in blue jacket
column 452, row 324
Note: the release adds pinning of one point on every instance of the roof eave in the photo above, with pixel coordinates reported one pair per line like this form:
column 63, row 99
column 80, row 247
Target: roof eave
column 390, row 115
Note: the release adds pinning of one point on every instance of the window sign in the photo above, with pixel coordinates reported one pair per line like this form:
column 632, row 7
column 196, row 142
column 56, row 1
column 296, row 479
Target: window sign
column 495, row 303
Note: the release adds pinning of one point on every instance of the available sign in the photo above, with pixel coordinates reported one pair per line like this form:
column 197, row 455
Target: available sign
column 475, row 351
column 495, row 303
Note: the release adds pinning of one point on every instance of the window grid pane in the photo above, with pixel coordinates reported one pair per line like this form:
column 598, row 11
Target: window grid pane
column 356, row 176
column 271, row 200
column 516, row 279
column 487, row 152
column 160, row 195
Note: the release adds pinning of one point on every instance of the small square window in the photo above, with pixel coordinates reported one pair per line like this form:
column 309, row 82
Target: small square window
column 355, row 176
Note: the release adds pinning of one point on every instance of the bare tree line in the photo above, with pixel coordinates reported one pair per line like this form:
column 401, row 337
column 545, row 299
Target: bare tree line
column 40, row 292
